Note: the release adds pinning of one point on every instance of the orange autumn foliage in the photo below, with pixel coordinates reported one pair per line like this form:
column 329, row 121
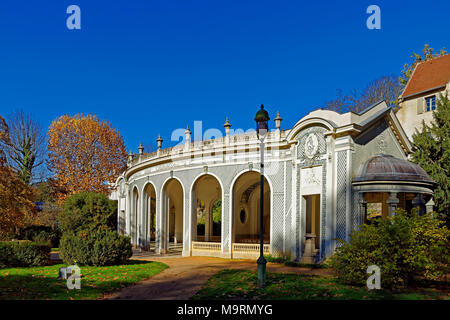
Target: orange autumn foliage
column 16, row 206
column 17, row 209
column 86, row 154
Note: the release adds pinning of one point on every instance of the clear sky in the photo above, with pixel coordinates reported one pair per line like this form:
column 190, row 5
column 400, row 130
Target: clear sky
column 151, row 66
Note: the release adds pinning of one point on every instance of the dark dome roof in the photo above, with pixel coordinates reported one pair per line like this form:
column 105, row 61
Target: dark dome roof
column 383, row 167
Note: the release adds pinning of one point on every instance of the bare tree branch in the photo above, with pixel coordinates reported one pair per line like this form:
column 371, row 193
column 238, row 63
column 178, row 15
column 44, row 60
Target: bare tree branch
column 27, row 148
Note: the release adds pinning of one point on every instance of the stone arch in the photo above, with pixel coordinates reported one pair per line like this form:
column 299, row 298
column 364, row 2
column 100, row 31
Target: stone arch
column 135, row 216
column 311, row 122
column 245, row 187
column 170, row 220
column 206, row 188
column 149, row 208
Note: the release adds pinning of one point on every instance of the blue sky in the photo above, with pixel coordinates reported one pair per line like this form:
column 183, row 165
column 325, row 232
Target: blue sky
column 150, row 66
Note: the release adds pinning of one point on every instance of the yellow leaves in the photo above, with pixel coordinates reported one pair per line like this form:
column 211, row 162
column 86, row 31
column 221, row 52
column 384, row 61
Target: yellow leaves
column 16, row 206
column 85, row 153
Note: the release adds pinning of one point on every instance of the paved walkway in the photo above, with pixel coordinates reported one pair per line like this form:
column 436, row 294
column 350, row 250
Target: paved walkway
column 186, row 275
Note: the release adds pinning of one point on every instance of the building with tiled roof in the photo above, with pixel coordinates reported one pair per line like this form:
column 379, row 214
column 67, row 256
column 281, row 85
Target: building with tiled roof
column 418, row 100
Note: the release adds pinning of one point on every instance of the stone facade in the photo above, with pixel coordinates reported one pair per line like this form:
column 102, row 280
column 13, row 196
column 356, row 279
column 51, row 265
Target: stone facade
column 308, row 193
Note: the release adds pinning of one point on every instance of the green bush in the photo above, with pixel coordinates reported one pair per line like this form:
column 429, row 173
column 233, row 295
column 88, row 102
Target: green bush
column 405, row 247
column 23, row 254
column 97, row 248
column 88, row 211
column 41, row 234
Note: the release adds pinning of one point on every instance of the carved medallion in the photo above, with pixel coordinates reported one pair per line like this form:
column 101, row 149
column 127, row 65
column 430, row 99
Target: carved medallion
column 311, row 145
column 382, row 145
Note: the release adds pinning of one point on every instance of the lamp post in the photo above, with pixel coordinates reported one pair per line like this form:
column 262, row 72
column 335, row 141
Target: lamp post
column 262, row 127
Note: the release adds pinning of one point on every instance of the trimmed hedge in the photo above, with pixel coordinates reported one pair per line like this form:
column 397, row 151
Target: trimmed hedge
column 98, row 248
column 23, row 254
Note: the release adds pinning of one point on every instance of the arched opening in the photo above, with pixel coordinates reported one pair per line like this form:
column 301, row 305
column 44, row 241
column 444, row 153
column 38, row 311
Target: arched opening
column 246, row 214
column 207, row 211
column 134, row 217
column 150, row 215
column 173, row 211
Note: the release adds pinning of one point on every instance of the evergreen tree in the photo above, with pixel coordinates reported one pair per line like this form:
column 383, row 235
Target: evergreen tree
column 432, row 153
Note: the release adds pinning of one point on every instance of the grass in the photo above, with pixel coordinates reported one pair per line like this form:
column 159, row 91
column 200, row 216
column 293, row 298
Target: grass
column 42, row 283
column 242, row 284
column 287, row 262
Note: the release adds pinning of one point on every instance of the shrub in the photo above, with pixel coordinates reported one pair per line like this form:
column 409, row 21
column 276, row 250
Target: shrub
column 405, row 247
column 41, row 234
column 6, row 236
column 98, row 248
column 23, row 254
column 88, row 211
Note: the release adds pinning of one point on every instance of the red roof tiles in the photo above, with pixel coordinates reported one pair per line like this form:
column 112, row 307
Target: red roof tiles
column 429, row 75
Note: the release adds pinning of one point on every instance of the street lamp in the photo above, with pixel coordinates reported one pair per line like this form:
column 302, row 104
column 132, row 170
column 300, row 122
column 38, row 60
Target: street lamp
column 262, row 127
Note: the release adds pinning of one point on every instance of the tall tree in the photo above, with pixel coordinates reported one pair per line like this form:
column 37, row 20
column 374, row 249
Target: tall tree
column 427, row 54
column 386, row 88
column 27, row 148
column 16, row 206
column 4, row 139
column 432, row 153
column 343, row 102
column 86, row 154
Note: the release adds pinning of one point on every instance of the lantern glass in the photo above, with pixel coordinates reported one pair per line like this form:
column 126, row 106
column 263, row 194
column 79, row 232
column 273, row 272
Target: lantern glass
column 261, row 129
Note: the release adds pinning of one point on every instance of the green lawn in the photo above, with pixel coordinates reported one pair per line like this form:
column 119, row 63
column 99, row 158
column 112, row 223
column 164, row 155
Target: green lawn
column 242, row 284
column 43, row 282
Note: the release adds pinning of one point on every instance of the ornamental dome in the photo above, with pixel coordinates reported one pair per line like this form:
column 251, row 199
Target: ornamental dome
column 383, row 167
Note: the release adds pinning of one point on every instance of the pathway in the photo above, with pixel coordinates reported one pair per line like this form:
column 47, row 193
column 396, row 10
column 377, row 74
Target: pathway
column 186, row 275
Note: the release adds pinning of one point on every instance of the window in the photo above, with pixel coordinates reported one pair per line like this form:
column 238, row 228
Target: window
column 431, row 103
column 374, row 210
column 242, row 216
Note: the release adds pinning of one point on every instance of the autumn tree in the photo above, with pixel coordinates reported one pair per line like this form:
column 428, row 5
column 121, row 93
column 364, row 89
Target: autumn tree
column 4, row 139
column 16, row 206
column 26, row 149
column 427, row 54
column 86, row 154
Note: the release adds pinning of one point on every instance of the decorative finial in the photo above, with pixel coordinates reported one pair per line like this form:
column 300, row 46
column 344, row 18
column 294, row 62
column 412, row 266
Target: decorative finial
column 141, row 148
column 278, row 120
column 159, row 141
column 227, row 124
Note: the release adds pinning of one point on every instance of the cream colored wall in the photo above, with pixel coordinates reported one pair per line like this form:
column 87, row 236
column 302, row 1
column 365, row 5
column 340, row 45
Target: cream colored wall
column 408, row 117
